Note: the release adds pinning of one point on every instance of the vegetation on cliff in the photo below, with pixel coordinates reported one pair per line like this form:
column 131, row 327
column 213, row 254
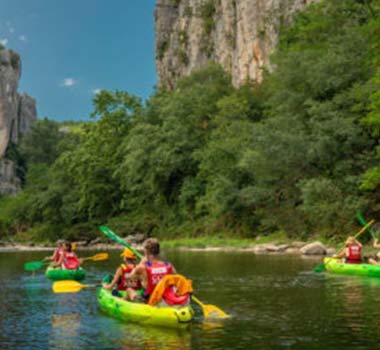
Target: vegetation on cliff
column 298, row 153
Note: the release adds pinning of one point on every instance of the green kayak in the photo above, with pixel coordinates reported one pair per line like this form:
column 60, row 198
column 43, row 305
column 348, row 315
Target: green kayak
column 338, row 266
column 171, row 317
column 59, row 275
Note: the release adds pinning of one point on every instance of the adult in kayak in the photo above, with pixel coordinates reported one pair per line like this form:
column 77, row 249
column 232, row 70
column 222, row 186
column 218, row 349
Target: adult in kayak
column 151, row 268
column 352, row 251
column 57, row 252
column 68, row 259
column 122, row 278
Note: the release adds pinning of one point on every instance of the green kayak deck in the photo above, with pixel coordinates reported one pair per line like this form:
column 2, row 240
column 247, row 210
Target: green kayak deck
column 170, row 317
column 339, row 267
column 59, row 275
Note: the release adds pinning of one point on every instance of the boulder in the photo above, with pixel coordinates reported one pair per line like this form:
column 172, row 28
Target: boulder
column 315, row 248
column 292, row 250
column 260, row 249
column 95, row 241
column 298, row 244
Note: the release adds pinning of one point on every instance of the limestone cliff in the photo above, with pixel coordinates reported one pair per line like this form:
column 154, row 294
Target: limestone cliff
column 17, row 114
column 239, row 34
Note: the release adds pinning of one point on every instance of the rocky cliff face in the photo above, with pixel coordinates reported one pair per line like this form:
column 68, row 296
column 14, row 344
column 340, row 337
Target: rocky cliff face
column 239, row 34
column 17, row 114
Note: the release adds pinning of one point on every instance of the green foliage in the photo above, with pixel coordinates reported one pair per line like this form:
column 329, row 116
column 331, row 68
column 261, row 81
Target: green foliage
column 296, row 155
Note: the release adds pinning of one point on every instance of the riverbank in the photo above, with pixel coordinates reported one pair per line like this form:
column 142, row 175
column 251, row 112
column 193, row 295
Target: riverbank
column 255, row 246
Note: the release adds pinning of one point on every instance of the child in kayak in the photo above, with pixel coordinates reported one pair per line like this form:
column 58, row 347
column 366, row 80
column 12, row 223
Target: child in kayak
column 352, row 251
column 122, row 278
column 376, row 259
column 57, row 252
column 68, row 260
column 151, row 269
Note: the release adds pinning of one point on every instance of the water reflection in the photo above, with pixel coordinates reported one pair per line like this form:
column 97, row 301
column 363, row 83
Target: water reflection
column 64, row 331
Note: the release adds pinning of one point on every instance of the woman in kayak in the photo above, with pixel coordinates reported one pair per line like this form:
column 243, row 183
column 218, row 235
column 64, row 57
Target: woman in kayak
column 151, row 269
column 352, row 251
column 122, row 278
column 68, row 260
column 57, row 252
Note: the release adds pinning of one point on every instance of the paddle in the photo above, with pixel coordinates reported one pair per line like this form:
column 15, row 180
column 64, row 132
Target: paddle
column 320, row 268
column 34, row 265
column 364, row 223
column 97, row 257
column 208, row 309
column 69, row 286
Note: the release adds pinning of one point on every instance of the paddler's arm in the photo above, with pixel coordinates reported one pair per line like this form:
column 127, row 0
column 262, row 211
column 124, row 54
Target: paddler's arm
column 341, row 254
column 114, row 280
column 58, row 263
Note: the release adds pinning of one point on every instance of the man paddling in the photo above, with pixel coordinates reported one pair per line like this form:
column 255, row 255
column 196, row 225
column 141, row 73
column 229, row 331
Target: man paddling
column 151, row 269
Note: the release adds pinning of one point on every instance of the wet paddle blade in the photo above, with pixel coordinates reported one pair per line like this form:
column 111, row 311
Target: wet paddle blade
column 67, row 286
column 99, row 257
column 33, row 265
column 320, row 268
column 213, row 312
column 210, row 311
column 112, row 235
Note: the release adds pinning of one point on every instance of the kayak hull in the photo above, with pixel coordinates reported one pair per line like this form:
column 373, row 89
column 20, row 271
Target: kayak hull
column 169, row 317
column 59, row 275
column 339, row 267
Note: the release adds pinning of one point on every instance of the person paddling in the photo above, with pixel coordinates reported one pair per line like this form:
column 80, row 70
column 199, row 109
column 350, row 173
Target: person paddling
column 68, row 260
column 151, row 269
column 57, row 252
column 122, row 278
column 352, row 251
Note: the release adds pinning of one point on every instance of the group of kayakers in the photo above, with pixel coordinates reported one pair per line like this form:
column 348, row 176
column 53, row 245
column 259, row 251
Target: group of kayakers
column 352, row 253
column 64, row 257
column 137, row 279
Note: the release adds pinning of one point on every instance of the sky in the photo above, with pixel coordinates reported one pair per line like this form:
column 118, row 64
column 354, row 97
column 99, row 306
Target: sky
column 71, row 49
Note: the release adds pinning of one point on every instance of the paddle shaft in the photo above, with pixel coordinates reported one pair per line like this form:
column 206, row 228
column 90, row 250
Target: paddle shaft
column 361, row 231
column 363, row 222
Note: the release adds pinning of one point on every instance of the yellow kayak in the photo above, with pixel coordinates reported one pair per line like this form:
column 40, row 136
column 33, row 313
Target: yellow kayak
column 167, row 316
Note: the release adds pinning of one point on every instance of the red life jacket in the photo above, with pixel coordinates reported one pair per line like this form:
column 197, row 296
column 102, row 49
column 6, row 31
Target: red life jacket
column 125, row 282
column 70, row 261
column 156, row 271
column 57, row 254
column 354, row 254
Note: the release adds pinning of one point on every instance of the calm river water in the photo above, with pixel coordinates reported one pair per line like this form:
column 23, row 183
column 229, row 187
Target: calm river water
column 274, row 301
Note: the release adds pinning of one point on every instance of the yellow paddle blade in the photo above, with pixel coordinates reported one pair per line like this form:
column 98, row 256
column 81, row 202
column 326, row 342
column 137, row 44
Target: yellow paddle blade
column 73, row 246
column 97, row 257
column 210, row 311
column 67, row 286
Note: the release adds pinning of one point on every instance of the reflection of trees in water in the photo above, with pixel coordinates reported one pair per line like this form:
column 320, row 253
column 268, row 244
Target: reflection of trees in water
column 151, row 338
column 64, row 332
column 354, row 304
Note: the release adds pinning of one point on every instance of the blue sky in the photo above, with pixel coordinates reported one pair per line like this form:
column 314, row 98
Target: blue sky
column 72, row 48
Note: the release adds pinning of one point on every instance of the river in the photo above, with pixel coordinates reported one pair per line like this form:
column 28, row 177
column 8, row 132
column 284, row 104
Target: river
column 274, row 301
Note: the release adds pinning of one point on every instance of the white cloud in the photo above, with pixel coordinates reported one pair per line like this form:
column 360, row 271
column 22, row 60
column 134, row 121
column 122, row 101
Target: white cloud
column 67, row 82
column 10, row 27
column 4, row 41
column 96, row 91
column 23, row 38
